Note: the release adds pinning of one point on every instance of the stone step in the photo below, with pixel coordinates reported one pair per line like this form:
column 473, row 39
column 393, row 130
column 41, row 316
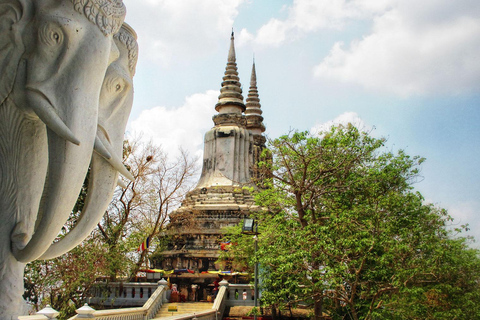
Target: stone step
column 183, row 308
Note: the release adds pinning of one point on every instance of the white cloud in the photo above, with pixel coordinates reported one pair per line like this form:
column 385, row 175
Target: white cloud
column 415, row 48
column 183, row 126
column 273, row 33
column 343, row 119
column 310, row 15
column 243, row 38
column 171, row 29
column 306, row 16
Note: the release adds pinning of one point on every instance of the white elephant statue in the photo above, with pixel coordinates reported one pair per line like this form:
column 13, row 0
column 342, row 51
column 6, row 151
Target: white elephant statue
column 54, row 55
column 116, row 99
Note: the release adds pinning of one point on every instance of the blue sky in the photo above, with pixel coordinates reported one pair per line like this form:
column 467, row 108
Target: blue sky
column 409, row 69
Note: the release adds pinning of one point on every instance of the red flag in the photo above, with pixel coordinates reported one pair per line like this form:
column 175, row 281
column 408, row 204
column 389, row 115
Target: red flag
column 224, row 246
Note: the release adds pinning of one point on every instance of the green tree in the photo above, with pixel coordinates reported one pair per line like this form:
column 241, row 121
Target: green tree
column 344, row 231
column 64, row 282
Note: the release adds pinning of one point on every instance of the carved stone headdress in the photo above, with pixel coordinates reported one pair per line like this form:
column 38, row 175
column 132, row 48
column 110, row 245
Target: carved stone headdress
column 108, row 15
column 128, row 37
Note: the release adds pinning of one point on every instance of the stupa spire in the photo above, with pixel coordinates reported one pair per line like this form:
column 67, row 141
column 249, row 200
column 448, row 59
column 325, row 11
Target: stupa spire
column 230, row 100
column 253, row 110
column 226, row 156
column 231, row 52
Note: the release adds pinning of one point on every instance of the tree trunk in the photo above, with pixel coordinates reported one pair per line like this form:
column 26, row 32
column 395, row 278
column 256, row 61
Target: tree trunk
column 274, row 312
column 318, row 309
column 138, row 264
column 354, row 312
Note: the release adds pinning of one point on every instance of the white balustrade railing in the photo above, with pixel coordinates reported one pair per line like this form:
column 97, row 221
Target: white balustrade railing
column 116, row 314
column 240, row 295
column 147, row 311
column 34, row 317
column 220, row 301
column 228, row 295
column 155, row 302
column 117, row 294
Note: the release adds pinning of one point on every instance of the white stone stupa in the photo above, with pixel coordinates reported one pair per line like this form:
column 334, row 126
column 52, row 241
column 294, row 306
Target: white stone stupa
column 231, row 151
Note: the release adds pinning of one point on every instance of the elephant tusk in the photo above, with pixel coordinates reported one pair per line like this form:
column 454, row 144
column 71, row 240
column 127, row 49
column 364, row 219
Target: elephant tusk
column 67, row 168
column 121, row 183
column 116, row 162
column 48, row 115
column 99, row 148
column 103, row 179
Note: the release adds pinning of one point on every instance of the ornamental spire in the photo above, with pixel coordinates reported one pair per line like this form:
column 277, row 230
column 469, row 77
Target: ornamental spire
column 230, row 99
column 253, row 111
column 231, row 52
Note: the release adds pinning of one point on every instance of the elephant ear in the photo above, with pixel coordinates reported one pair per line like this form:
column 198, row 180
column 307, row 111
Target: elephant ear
column 12, row 22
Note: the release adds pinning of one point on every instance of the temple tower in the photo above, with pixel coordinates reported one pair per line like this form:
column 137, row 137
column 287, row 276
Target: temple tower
column 255, row 124
column 231, row 150
column 227, row 149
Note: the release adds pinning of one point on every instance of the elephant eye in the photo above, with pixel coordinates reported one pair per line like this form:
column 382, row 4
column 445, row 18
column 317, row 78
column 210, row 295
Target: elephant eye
column 51, row 34
column 116, row 83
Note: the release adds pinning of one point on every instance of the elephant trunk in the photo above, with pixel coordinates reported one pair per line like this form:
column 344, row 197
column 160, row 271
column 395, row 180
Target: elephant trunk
column 67, row 162
column 23, row 166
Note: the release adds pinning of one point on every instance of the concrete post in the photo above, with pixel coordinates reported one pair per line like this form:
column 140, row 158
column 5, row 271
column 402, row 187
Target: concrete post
column 49, row 312
column 85, row 312
column 223, row 283
column 164, row 283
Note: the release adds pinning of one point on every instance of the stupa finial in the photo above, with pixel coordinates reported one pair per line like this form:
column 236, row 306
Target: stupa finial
column 253, row 111
column 230, row 99
column 253, row 77
column 231, row 52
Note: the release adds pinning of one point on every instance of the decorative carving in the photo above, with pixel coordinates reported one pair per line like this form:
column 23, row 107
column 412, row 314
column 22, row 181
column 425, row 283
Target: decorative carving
column 128, row 37
column 228, row 119
column 108, row 15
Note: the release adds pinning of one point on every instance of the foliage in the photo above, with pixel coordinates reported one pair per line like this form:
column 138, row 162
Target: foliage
column 239, row 255
column 344, row 231
column 64, row 282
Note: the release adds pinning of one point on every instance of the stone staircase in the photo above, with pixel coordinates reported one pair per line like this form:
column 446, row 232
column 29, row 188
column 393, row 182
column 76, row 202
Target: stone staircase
column 182, row 308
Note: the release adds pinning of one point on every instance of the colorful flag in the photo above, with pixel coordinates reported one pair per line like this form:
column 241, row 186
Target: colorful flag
column 145, row 244
column 224, row 246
